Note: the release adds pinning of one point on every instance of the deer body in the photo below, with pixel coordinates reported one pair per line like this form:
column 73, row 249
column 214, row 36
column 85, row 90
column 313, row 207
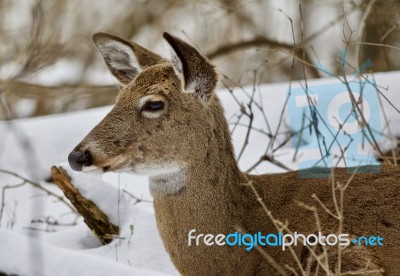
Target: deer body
column 167, row 123
column 368, row 211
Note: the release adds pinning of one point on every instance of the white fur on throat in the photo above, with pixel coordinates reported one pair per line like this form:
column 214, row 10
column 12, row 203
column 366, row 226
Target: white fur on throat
column 167, row 181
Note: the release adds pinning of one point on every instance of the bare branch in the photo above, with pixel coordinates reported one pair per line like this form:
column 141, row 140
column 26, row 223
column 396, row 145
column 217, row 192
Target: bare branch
column 95, row 219
column 38, row 186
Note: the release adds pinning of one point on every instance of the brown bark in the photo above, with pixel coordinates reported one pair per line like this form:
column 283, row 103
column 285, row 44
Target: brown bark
column 95, row 219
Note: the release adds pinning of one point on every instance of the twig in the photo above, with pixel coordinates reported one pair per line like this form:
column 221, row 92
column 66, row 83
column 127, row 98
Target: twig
column 270, row 159
column 3, row 196
column 375, row 44
column 361, row 29
column 38, row 186
column 138, row 200
column 263, row 41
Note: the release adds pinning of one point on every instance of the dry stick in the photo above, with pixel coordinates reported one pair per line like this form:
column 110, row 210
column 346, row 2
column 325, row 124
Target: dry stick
column 314, row 210
column 246, row 141
column 376, row 86
column 5, row 106
column 363, row 121
column 361, row 29
column 239, row 117
column 262, row 41
column 95, row 219
column 257, row 41
column 259, row 106
column 3, row 196
column 350, row 92
column 269, row 135
column 335, row 136
column 340, row 211
column 363, row 272
column 385, row 118
column 38, row 186
column 338, row 208
column 261, row 109
column 375, row 44
column 290, row 84
column 250, row 115
column 270, row 159
column 138, row 199
column 305, row 78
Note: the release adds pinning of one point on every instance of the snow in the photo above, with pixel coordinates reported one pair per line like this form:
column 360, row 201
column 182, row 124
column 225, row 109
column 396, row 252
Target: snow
column 30, row 147
column 28, row 256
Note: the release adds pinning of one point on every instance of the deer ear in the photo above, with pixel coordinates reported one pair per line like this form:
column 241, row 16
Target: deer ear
column 199, row 75
column 124, row 58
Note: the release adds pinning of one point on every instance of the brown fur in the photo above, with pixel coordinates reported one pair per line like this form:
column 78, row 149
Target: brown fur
column 204, row 190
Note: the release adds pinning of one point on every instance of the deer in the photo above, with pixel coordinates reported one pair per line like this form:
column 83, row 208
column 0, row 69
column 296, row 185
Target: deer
column 168, row 123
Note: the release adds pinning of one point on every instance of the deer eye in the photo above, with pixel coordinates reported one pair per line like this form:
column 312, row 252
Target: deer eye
column 153, row 106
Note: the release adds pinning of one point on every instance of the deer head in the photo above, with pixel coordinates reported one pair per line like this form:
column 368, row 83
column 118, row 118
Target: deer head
column 165, row 114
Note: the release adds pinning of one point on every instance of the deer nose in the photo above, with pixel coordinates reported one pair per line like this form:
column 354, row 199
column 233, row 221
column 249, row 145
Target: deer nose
column 78, row 159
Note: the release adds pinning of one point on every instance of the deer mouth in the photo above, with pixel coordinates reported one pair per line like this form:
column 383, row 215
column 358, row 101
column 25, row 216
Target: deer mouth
column 111, row 164
column 91, row 169
column 95, row 169
column 114, row 167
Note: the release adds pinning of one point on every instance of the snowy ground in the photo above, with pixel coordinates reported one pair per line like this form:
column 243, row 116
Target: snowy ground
column 30, row 147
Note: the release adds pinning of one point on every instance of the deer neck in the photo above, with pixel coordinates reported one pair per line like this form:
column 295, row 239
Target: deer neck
column 218, row 175
column 201, row 195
